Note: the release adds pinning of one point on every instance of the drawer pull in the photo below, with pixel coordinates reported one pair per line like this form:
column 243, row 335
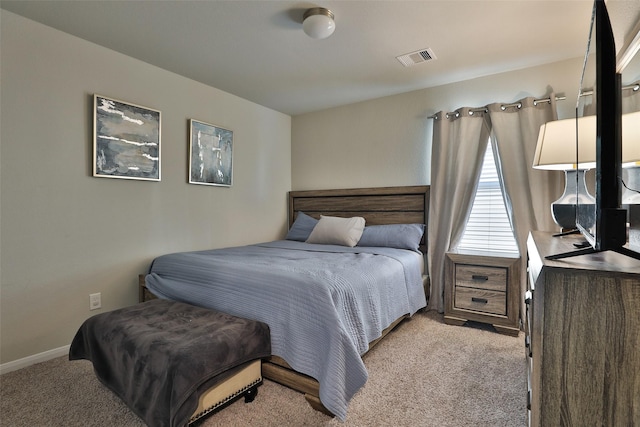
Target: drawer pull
column 481, row 300
column 479, row 277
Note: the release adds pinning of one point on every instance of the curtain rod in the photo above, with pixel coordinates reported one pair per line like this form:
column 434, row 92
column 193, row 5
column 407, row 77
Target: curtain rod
column 634, row 86
column 505, row 106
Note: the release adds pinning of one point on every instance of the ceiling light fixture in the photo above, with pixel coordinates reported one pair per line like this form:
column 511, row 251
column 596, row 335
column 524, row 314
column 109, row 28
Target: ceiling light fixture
column 318, row 23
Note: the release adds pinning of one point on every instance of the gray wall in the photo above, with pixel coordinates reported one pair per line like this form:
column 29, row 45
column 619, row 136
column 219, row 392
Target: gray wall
column 387, row 141
column 65, row 234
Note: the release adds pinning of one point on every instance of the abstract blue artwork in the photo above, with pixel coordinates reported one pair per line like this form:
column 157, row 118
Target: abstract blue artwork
column 210, row 154
column 126, row 140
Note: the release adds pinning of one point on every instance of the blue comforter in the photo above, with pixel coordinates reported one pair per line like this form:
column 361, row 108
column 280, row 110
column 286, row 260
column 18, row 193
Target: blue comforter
column 324, row 304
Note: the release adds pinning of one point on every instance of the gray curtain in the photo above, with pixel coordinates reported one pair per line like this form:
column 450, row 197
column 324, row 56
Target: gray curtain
column 528, row 192
column 459, row 142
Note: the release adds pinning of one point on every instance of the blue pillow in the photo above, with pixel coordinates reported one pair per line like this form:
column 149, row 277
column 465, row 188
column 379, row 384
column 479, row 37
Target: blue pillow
column 400, row 236
column 302, row 227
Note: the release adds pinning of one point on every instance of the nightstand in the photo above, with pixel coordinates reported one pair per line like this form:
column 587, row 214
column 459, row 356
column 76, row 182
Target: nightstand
column 144, row 294
column 483, row 288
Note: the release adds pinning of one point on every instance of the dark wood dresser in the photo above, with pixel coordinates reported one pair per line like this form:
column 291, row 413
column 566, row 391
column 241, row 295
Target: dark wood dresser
column 582, row 326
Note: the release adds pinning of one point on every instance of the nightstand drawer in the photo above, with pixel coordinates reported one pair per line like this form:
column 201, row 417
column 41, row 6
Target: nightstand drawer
column 481, row 277
column 481, row 300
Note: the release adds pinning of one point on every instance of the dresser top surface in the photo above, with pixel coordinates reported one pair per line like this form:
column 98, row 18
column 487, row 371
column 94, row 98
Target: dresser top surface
column 546, row 244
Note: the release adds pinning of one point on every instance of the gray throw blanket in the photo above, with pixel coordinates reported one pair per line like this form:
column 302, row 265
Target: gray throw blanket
column 160, row 356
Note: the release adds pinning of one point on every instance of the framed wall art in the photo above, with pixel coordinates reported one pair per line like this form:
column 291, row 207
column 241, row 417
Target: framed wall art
column 210, row 154
column 126, row 140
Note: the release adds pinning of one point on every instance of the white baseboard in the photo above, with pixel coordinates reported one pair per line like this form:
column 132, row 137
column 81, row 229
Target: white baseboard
column 32, row 360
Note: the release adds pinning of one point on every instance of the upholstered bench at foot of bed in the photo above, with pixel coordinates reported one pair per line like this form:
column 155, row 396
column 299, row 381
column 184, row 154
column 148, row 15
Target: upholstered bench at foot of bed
column 171, row 362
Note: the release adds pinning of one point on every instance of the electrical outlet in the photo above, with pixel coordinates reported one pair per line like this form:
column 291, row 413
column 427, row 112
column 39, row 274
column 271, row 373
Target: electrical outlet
column 95, row 301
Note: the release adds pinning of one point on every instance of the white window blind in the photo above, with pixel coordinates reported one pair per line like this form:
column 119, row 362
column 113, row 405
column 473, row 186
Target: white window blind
column 488, row 228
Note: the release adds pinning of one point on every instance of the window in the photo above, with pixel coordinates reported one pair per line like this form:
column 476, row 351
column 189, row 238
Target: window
column 488, row 228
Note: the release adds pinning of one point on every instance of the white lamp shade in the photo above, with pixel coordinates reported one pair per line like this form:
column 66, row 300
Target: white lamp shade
column 556, row 146
column 318, row 23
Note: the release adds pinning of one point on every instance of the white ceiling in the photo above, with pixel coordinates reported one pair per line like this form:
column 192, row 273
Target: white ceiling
column 257, row 50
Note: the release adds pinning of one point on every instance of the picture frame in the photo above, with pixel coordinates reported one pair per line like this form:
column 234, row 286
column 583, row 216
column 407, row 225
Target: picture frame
column 210, row 154
column 126, row 140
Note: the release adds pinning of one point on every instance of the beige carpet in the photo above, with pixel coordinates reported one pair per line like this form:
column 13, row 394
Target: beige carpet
column 425, row 373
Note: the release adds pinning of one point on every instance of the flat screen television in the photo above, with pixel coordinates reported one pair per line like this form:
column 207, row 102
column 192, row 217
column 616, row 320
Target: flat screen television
column 604, row 226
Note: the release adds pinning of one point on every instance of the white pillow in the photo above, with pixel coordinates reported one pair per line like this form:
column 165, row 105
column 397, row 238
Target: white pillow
column 333, row 230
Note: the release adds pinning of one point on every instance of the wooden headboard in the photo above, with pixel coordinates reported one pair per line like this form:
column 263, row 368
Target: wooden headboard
column 378, row 206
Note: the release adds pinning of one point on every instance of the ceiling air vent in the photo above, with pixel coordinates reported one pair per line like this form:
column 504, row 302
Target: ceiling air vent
column 416, row 57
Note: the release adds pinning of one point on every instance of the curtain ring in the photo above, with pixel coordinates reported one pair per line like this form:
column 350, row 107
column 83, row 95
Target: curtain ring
column 471, row 112
column 457, row 114
column 504, row 107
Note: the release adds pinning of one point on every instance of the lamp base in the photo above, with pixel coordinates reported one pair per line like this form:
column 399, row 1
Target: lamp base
column 575, row 193
column 564, row 215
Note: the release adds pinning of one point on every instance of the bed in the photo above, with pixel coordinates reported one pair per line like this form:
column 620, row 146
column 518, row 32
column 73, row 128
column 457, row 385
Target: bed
column 319, row 334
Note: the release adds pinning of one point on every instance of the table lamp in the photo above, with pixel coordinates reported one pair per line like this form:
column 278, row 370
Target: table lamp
column 556, row 149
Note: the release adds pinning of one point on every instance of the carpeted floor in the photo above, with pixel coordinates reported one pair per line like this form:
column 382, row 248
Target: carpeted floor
column 425, row 373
